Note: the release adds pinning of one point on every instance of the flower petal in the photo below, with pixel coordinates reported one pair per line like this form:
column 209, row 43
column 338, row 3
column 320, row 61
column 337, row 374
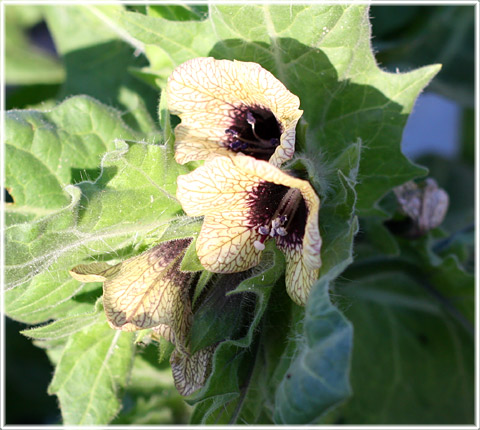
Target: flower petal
column 299, row 278
column 149, row 290
column 166, row 332
column 312, row 241
column 215, row 186
column 94, row 272
column 191, row 371
column 221, row 190
column 207, row 94
column 226, row 243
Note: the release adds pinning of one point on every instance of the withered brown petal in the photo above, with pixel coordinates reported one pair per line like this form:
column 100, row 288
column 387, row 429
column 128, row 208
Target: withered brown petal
column 426, row 204
column 191, row 371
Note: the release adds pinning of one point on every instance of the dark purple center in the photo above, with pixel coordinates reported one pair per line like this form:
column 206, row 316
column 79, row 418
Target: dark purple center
column 254, row 131
column 278, row 211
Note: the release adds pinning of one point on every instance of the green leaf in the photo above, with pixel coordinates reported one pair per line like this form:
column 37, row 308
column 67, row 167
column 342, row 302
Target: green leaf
column 431, row 260
column 179, row 13
column 413, row 312
column 338, row 223
column 92, row 372
column 97, row 56
column 318, row 377
column 281, row 333
column 65, row 327
column 134, row 195
column 412, row 362
column 150, row 397
column 220, row 315
column 25, row 63
column 444, row 277
column 445, row 34
column 55, row 148
column 233, row 363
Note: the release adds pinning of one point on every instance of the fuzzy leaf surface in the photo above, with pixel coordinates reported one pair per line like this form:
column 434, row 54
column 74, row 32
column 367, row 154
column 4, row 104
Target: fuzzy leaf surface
column 91, row 373
column 132, row 194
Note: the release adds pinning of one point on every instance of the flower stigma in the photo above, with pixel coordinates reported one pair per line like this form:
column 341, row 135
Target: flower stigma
column 277, row 212
column 255, row 132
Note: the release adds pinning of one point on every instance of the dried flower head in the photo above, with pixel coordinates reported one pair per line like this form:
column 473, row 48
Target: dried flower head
column 425, row 204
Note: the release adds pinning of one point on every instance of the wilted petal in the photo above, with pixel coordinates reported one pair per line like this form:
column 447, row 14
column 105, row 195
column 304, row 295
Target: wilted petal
column 231, row 106
column 150, row 291
column 426, row 204
column 191, row 371
column 166, row 332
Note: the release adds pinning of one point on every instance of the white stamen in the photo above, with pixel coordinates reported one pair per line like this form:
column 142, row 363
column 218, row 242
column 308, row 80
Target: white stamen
column 263, row 230
column 258, row 245
column 276, row 223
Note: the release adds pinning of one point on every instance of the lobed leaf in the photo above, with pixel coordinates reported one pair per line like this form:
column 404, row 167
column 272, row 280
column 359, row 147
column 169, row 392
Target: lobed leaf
column 55, row 148
column 323, row 55
column 91, row 374
column 133, row 195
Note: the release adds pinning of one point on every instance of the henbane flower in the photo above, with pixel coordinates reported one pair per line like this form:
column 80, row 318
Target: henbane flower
column 144, row 291
column 150, row 291
column 245, row 202
column 231, row 106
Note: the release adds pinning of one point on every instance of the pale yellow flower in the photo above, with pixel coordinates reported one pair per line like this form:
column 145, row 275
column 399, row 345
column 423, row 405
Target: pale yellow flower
column 144, row 291
column 231, row 106
column 245, row 202
column 150, row 291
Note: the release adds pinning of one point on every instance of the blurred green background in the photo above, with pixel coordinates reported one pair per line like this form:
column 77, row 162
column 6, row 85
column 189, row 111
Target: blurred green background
column 404, row 38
